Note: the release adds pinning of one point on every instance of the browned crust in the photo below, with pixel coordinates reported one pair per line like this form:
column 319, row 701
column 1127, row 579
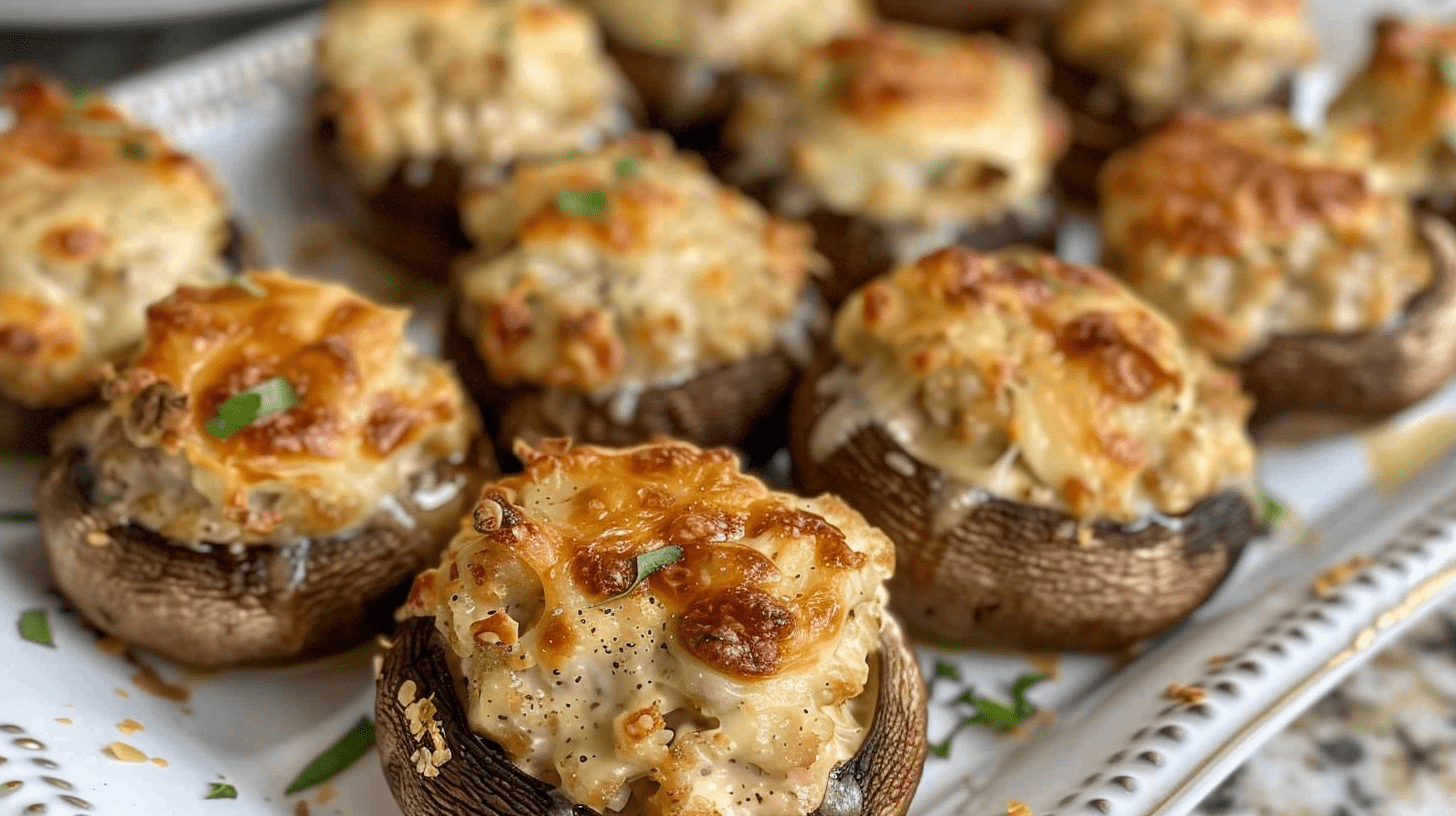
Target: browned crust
column 480, row 780
column 1011, row 574
column 859, row 249
column 416, row 226
column 213, row 606
column 1371, row 373
column 743, row 405
column 1097, row 134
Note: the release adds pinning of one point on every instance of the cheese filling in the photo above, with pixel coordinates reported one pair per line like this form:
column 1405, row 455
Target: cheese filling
column 627, row 268
column 373, row 418
column 1245, row 228
column 732, row 681
column 1024, row 377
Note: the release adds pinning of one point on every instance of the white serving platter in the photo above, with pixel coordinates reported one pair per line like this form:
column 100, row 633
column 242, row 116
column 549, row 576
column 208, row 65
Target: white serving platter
column 1108, row 741
column 95, row 13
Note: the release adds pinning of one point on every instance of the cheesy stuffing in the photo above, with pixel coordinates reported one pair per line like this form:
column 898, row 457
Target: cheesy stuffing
column 99, row 217
column 909, row 124
column 1025, row 377
column 408, row 83
column 1245, row 228
column 759, row 36
column 372, row 414
column 727, row 683
column 631, row 265
column 1164, row 55
column 1407, row 97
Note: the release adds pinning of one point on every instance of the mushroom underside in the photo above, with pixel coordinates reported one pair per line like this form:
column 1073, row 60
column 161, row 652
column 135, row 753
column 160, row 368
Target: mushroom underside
column 861, row 249
column 212, row 604
column 480, row 780
column 1003, row 573
column 1020, row 20
column 1369, row 373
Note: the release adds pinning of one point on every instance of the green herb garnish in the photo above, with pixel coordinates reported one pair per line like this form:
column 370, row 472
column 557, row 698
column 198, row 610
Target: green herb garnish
column 220, row 790
column 584, row 203
column 83, row 94
column 17, row 517
column 340, row 755
column 134, row 150
column 1447, row 66
column 35, row 628
column 246, row 284
column 268, row 397
column 992, row 714
column 940, row 169
column 943, row 671
column 646, row 564
column 628, row 166
column 1274, row 510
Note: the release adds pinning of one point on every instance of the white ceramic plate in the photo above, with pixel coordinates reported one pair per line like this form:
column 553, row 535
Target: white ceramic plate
column 90, row 13
column 1109, row 741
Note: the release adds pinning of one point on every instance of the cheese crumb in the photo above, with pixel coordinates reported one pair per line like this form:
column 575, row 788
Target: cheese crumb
column 98, row 538
column 1016, row 808
column 63, row 720
column 130, row 726
column 161, row 763
column 125, row 753
column 1185, row 694
column 1333, row 577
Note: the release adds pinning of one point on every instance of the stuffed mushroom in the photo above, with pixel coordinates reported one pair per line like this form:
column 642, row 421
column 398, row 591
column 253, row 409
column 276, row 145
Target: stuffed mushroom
column 1125, row 66
column 691, row 59
column 627, row 293
column 420, row 96
column 263, row 480
column 1057, row 469
column 99, row 217
column 903, row 140
column 1289, row 255
column 649, row 631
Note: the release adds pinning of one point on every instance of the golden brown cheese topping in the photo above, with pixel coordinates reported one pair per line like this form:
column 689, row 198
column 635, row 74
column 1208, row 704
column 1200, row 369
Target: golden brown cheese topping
column 371, row 414
column 910, row 124
column 1245, row 228
column 724, row 683
column 1024, row 377
column 479, row 84
column 1407, row 96
column 628, row 267
column 99, row 217
column 759, row 36
column 1164, row 55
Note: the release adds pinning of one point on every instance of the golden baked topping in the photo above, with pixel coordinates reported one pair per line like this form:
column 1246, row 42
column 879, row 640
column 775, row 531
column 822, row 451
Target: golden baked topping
column 1248, row 227
column 98, row 218
column 371, row 413
column 1407, row 97
column 480, row 84
column 1170, row 54
column 721, row 684
column 760, row 36
column 910, row 124
column 1025, row 377
column 628, row 266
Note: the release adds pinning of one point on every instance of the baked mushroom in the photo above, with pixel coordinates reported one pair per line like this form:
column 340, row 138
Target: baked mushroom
column 1125, row 66
column 1057, row 469
column 626, row 294
column 903, row 140
column 420, row 96
column 99, row 217
column 691, row 59
column 1289, row 255
column 1406, row 95
column 649, row 631
column 263, row 480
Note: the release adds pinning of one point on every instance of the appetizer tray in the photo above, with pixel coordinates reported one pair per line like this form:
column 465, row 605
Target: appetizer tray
column 1369, row 543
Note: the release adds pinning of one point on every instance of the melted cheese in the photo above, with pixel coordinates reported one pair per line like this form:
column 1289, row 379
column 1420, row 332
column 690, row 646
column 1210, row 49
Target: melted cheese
column 725, row 683
column 1245, row 228
column 1022, row 376
column 759, row 36
column 1407, row 96
column 372, row 414
column 479, row 84
column 98, row 218
column 1165, row 55
column 674, row 273
column 909, row 124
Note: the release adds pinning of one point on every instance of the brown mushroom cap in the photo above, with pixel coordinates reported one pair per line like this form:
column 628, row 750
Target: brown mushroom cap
column 656, row 78
column 479, row 778
column 1369, row 373
column 213, row 605
column 966, row 14
column 1013, row 574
